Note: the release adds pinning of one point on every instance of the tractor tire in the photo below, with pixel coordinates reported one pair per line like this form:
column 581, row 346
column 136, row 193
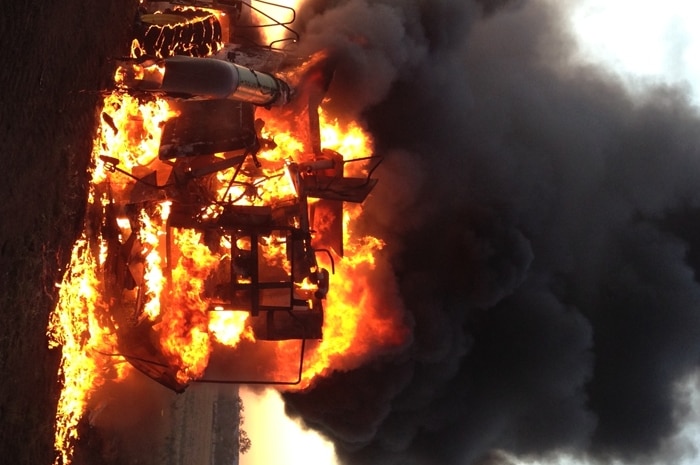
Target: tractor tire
column 194, row 33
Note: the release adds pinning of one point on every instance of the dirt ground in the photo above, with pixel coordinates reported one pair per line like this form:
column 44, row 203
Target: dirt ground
column 55, row 60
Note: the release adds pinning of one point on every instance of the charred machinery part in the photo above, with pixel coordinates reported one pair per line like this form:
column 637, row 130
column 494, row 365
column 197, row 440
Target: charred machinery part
column 136, row 345
column 112, row 165
column 330, row 257
column 144, row 73
column 262, row 59
column 323, row 179
column 206, row 77
column 222, row 79
column 272, row 22
column 314, row 85
column 205, row 127
column 265, row 143
column 151, row 363
column 225, row 194
column 213, row 167
column 302, row 350
column 259, row 279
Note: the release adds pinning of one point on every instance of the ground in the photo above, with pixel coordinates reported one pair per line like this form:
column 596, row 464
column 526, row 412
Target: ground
column 56, row 58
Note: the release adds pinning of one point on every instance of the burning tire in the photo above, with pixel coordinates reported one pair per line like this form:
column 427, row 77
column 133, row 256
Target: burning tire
column 192, row 32
column 163, row 19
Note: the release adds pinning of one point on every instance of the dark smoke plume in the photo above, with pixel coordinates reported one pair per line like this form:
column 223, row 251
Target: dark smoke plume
column 539, row 221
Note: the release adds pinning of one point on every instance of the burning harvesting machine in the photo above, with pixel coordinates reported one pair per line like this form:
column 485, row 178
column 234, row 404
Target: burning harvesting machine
column 200, row 59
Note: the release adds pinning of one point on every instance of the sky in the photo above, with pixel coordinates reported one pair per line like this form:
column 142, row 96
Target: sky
column 654, row 43
column 575, row 165
column 275, row 438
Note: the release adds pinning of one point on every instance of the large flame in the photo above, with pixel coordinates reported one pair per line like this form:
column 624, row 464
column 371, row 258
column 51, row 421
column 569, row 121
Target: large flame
column 129, row 268
column 87, row 342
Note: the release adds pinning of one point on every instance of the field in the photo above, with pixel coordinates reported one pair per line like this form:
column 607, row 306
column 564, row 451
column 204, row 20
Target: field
column 56, row 60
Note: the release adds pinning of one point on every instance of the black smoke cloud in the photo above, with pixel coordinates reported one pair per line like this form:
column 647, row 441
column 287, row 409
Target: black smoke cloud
column 539, row 221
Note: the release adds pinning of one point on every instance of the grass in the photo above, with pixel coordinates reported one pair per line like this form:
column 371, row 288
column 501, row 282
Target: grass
column 56, row 60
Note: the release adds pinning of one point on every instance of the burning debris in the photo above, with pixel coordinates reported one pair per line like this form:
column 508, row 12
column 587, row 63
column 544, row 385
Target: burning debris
column 217, row 214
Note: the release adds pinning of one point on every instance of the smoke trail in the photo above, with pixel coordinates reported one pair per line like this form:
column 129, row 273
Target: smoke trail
column 538, row 222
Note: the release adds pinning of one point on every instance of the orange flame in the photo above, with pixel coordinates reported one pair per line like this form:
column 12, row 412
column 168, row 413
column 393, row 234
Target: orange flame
column 78, row 326
column 359, row 320
column 229, row 327
column 183, row 329
column 151, row 235
column 357, row 323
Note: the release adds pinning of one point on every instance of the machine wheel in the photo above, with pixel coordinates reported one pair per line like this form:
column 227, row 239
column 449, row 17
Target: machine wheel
column 163, row 19
column 178, row 32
